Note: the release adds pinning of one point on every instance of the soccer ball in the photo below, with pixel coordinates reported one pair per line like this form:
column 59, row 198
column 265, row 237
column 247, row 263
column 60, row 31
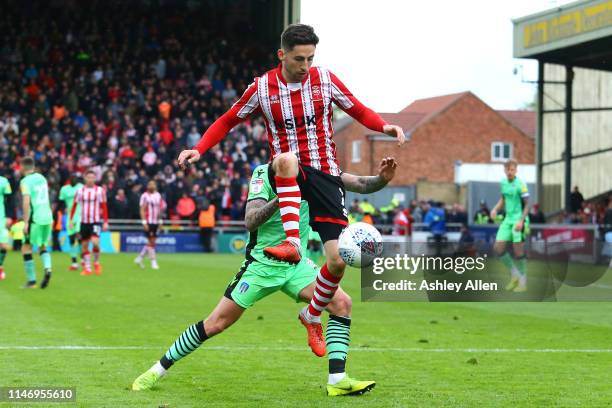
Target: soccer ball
column 359, row 244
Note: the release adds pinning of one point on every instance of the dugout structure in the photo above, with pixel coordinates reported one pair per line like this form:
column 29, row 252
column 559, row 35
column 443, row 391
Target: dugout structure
column 573, row 46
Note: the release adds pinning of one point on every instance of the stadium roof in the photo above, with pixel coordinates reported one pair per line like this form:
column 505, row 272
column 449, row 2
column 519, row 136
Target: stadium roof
column 577, row 34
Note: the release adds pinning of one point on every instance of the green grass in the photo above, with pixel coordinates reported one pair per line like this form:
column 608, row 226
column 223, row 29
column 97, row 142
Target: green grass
column 417, row 352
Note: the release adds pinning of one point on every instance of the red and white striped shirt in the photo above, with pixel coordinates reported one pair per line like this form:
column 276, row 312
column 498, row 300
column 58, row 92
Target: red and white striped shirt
column 298, row 116
column 93, row 204
column 154, row 205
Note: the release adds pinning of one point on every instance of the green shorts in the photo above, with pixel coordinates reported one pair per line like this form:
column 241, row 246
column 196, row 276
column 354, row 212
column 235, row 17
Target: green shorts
column 38, row 235
column 4, row 233
column 254, row 281
column 506, row 232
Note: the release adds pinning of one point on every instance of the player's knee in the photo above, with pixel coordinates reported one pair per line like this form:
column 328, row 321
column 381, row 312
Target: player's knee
column 286, row 164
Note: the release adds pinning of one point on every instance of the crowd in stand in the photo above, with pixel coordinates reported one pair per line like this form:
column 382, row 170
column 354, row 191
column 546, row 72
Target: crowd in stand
column 80, row 89
column 587, row 212
column 582, row 212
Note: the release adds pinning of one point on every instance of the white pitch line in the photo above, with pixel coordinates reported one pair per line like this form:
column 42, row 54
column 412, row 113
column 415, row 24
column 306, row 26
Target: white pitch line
column 352, row 349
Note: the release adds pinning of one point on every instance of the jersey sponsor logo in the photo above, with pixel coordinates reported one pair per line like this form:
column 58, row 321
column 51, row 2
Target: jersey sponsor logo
column 293, row 123
column 256, row 185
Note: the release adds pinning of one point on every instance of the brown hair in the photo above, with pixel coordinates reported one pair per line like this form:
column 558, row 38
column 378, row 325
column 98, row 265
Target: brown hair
column 27, row 162
column 510, row 162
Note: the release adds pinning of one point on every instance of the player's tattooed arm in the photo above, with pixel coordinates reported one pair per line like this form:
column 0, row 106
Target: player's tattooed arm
column 259, row 211
column 362, row 184
column 371, row 184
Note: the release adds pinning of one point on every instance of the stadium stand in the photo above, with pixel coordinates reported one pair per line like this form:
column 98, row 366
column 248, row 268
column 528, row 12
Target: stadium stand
column 80, row 88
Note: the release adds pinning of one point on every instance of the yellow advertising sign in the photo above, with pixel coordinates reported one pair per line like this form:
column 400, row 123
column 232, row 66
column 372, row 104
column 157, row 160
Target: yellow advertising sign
column 570, row 24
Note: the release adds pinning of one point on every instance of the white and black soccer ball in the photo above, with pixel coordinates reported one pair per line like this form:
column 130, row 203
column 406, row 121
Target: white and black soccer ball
column 359, row 244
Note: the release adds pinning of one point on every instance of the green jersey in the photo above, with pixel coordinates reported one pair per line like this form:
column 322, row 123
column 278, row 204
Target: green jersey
column 66, row 194
column 5, row 189
column 513, row 193
column 271, row 232
column 35, row 185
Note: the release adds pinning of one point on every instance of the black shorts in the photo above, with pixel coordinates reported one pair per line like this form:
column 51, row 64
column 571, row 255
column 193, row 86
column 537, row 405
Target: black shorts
column 90, row 230
column 152, row 231
column 325, row 195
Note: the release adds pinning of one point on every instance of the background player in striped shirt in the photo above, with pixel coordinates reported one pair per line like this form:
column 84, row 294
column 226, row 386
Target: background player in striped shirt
column 38, row 219
column 65, row 201
column 5, row 189
column 296, row 102
column 92, row 199
column 261, row 276
column 151, row 206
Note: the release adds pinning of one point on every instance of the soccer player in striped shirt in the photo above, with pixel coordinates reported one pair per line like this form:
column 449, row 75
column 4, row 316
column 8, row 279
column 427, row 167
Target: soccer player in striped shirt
column 151, row 206
column 261, row 276
column 296, row 102
column 92, row 201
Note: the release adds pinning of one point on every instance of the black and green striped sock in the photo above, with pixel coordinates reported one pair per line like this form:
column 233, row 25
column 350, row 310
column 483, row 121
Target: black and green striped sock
column 337, row 337
column 185, row 344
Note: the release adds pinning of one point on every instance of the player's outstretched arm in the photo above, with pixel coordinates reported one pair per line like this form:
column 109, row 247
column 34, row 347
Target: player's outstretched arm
column 371, row 184
column 259, row 211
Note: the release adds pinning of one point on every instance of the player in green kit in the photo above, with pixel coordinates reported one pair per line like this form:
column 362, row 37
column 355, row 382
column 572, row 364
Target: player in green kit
column 261, row 276
column 66, row 200
column 515, row 226
column 5, row 189
column 38, row 220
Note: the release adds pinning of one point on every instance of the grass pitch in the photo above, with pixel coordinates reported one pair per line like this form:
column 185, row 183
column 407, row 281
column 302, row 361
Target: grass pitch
column 98, row 333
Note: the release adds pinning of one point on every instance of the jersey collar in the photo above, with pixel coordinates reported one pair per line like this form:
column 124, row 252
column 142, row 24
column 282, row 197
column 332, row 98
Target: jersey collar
column 279, row 74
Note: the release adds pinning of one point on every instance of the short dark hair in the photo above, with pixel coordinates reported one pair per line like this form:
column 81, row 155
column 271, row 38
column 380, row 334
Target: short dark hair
column 90, row 171
column 298, row 34
column 27, row 162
